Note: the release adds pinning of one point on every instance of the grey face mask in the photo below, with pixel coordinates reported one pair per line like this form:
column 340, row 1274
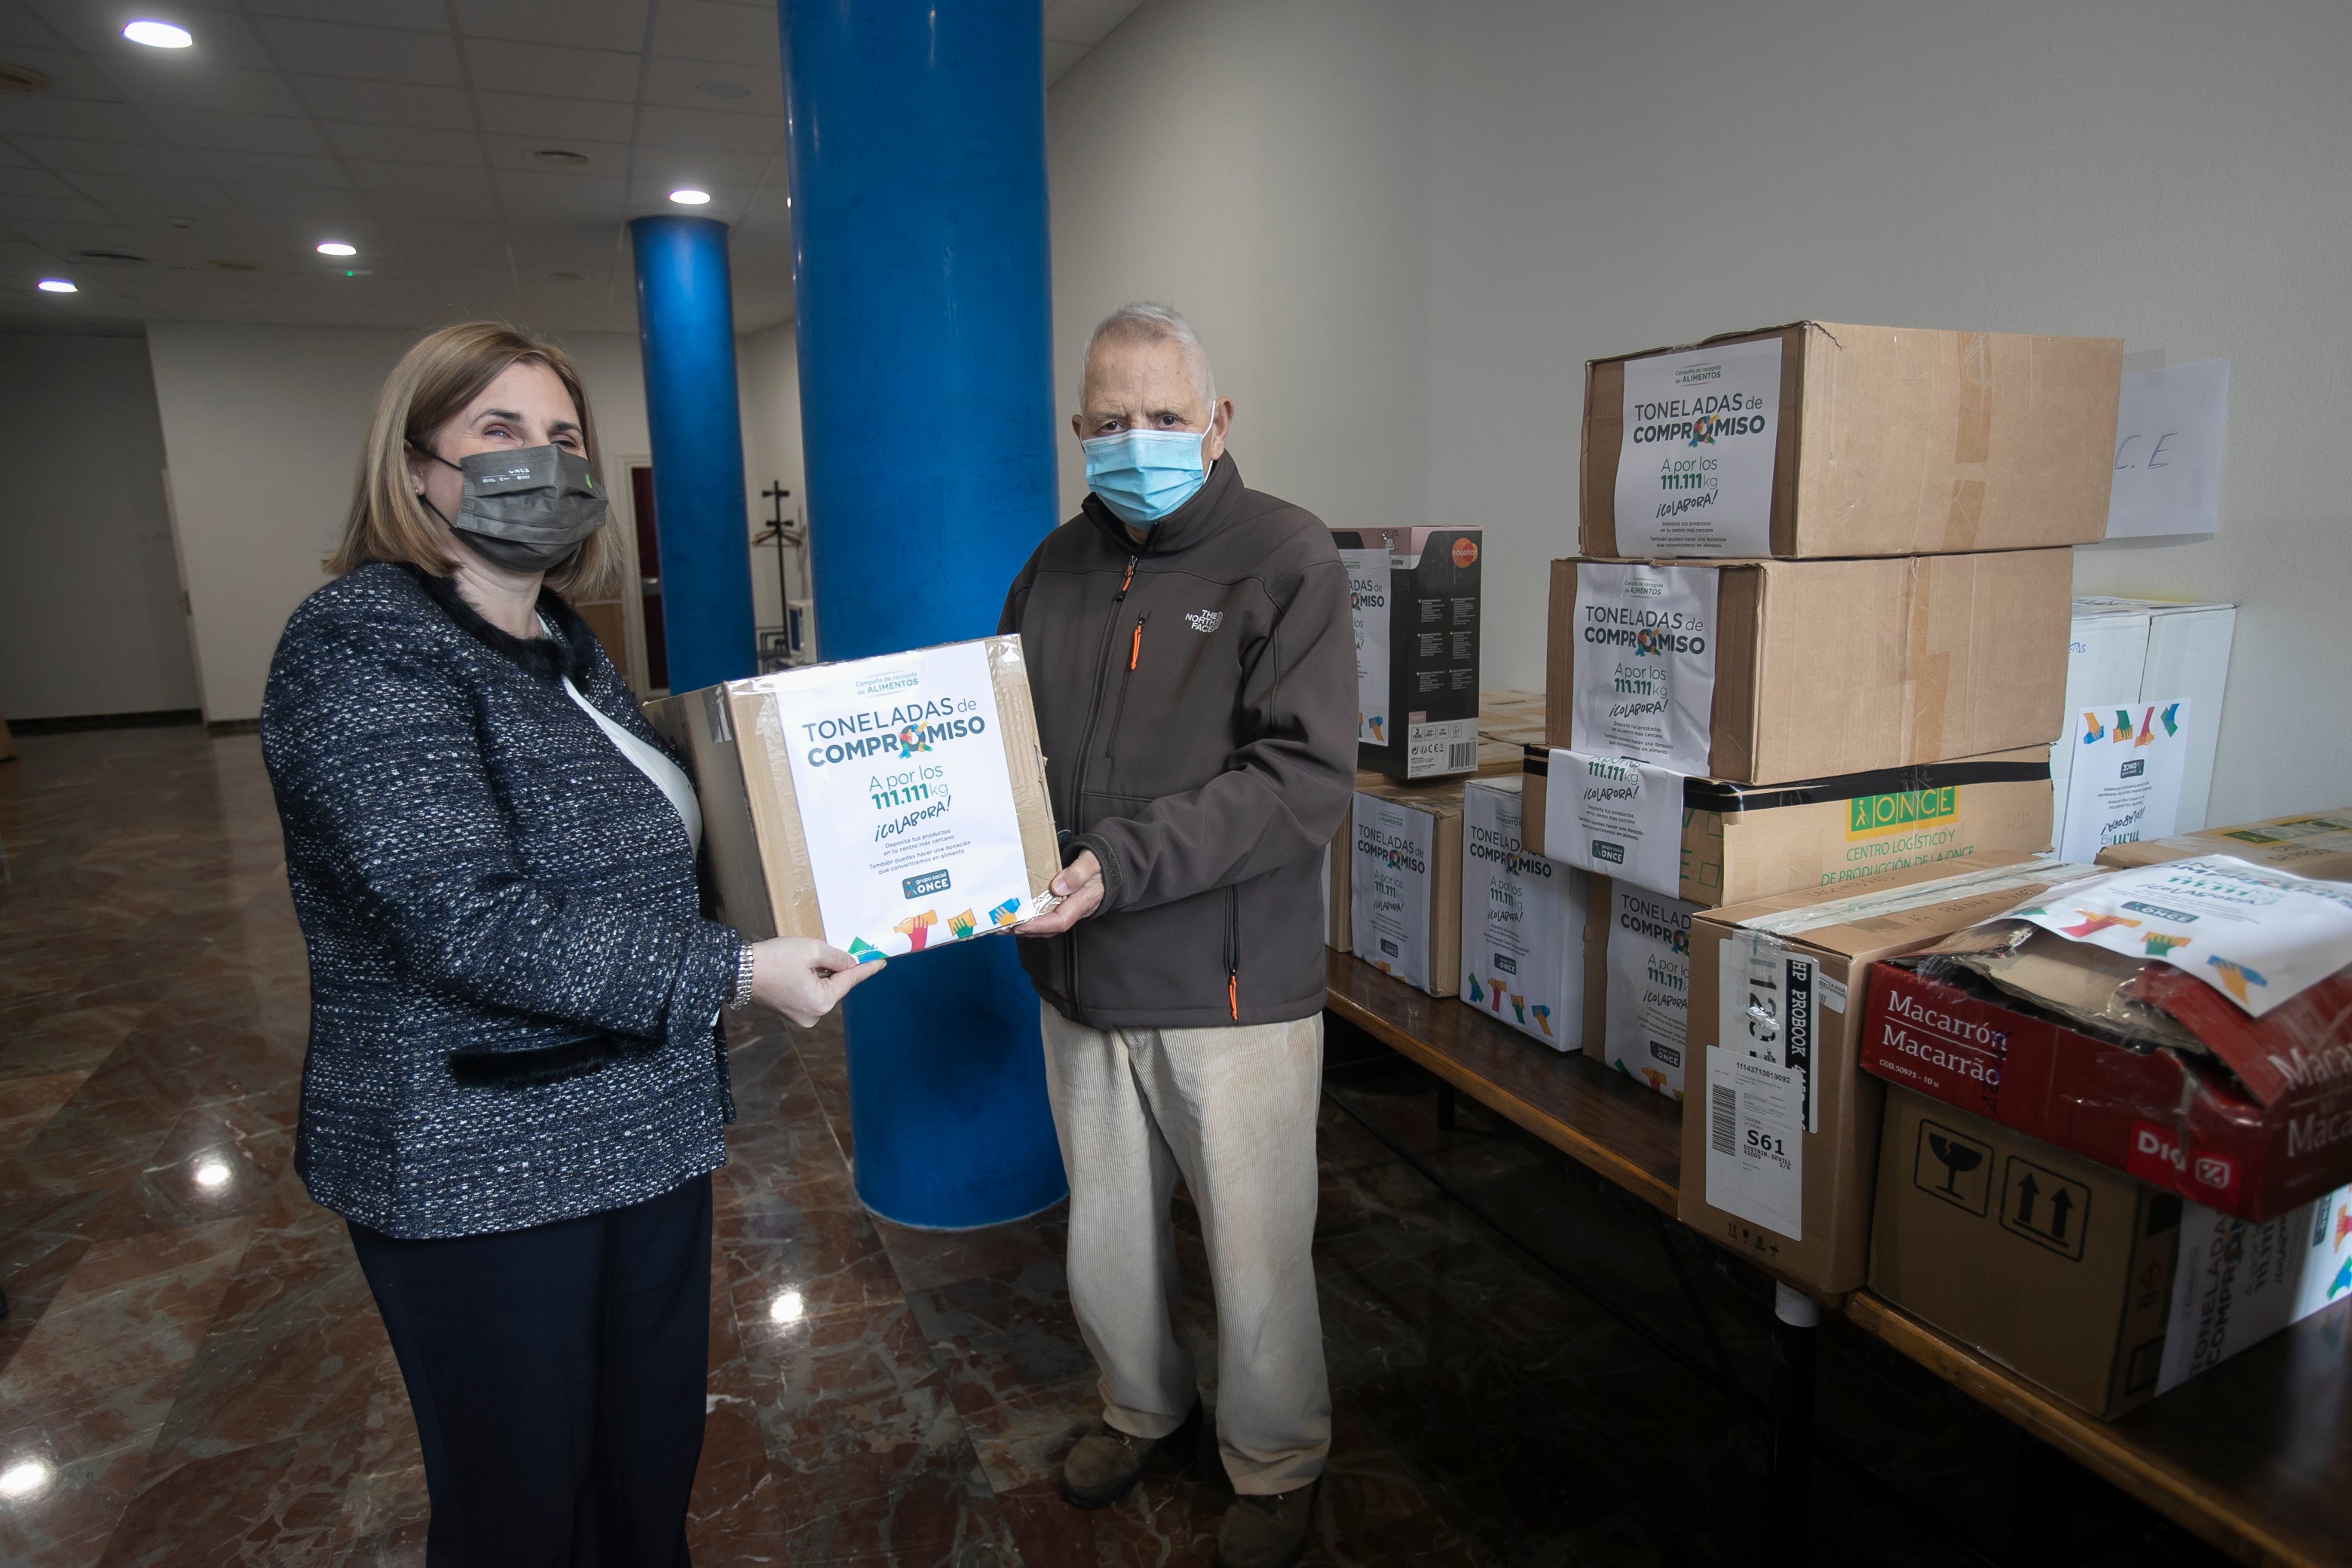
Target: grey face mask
column 526, row 508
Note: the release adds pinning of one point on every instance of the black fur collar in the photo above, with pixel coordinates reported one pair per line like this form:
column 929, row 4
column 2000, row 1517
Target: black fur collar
column 572, row 650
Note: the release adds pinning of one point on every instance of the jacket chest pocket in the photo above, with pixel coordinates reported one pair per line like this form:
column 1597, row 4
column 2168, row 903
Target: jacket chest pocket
column 1176, row 669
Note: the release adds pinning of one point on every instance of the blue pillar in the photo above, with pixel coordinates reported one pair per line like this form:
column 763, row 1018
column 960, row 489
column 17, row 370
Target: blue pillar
column 685, row 321
column 916, row 136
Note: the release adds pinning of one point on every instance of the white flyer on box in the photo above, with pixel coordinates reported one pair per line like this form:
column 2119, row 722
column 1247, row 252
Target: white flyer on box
column 900, row 758
column 1621, row 818
column 2124, row 783
column 2171, row 445
column 1645, row 1017
column 1644, row 663
column 1694, row 467
column 2237, row 1282
column 1388, row 890
column 1522, row 922
column 1367, row 598
column 1755, row 1142
column 2257, row 936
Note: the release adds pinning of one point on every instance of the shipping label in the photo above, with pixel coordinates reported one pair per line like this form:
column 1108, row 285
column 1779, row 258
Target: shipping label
column 1755, row 1142
column 1522, row 924
column 1621, row 818
column 900, row 776
column 1367, row 597
column 1389, row 888
column 1694, row 466
column 1644, row 663
column 1646, row 1012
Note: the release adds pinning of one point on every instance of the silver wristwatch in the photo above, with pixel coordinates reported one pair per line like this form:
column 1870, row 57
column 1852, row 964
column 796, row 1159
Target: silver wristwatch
column 743, row 996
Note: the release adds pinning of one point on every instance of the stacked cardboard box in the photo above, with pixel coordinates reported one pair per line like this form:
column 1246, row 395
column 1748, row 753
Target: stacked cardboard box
column 1417, row 605
column 1523, row 921
column 1817, row 637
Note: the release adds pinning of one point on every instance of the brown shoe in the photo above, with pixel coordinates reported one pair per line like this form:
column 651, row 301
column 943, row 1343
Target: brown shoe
column 1106, row 1462
column 1266, row 1532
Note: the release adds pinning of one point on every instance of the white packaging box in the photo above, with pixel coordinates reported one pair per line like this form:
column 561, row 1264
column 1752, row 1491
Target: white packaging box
column 2236, row 1283
column 2124, row 651
column 1404, row 879
column 1522, row 922
column 1640, row 969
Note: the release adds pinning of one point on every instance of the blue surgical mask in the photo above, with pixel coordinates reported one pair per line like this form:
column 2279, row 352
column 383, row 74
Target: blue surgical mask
column 1144, row 475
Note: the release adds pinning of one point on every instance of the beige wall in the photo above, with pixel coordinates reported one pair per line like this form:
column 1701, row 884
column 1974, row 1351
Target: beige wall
column 1404, row 227
column 90, row 598
column 767, row 374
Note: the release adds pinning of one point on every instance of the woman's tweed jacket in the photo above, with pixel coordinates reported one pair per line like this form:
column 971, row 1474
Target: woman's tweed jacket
column 479, row 868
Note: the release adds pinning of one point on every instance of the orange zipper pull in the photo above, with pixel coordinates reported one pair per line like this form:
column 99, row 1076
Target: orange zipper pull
column 1125, row 581
column 1135, row 648
column 1233, row 995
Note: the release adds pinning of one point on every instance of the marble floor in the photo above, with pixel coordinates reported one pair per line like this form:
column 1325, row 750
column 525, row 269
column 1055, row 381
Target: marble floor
column 192, row 1370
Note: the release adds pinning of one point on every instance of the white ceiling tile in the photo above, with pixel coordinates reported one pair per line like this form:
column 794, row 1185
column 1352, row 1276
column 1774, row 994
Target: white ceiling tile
column 534, row 197
column 1060, row 56
column 249, row 91
column 671, row 167
column 554, row 118
column 270, row 202
column 409, row 143
column 196, row 193
column 515, row 153
column 19, row 26
column 423, row 238
column 398, row 208
column 728, row 35
column 553, row 71
column 661, row 126
column 374, row 54
column 214, row 128
column 72, row 156
column 1085, row 22
column 24, row 116
column 678, row 84
column 421, row 16
column 222, row 38
column 62, row 234
column 10, row 158
column 419, row 179
column 386, row 102
column 69, row 75
column 592, row 23
column 33, row 183
column 24, row 215
column 272, row 169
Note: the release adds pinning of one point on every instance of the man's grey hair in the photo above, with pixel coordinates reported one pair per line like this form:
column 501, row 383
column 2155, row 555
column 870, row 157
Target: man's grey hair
column 1145, row 321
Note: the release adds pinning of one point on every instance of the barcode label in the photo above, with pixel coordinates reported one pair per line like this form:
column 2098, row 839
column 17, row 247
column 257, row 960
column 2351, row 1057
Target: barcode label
column 1723, row 1117
column 1463, row 754
column 1446, row 746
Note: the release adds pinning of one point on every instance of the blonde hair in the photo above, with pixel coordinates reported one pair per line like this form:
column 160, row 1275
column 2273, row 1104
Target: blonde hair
column 430, row 386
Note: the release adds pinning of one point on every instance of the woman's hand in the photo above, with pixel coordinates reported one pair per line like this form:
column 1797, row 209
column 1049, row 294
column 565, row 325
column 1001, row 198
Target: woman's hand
column 802, row 978
column 1080, row 888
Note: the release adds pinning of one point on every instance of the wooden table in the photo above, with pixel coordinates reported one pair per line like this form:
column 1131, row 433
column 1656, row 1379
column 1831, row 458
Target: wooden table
column 2254, row 1457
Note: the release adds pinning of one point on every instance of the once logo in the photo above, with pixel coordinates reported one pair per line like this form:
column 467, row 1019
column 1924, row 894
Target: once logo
column 923, row 884
column 1605, row 850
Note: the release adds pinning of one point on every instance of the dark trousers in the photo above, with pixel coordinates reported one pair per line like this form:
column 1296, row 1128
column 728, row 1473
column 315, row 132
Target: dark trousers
column 558, row 1377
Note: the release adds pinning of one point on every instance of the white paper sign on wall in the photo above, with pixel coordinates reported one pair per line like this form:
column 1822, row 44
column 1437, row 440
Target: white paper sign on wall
column 2171, row 429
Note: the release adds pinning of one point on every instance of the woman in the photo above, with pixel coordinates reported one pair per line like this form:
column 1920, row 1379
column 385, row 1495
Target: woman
column 515, row 1085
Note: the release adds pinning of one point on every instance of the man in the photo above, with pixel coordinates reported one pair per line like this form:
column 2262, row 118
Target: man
column 1192, row 662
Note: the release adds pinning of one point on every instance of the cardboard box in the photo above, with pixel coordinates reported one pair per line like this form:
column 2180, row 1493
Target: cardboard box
column 1816, row 439
column 2252, row 1116
column 1523, row 922
column 1512, row 717
column 1416, row 647
column 2101, row 1288
column 1406, row 897
column 2128, row 653
column 883, row 804
column 2318, row 845
column 1637, row 984
column 1781, row 1132
column 2052, row 1265
column 1750, row 841
column 1760, row 672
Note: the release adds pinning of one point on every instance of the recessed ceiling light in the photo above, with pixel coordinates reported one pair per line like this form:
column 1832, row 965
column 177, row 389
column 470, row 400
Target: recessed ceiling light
column 721, row 90
column 158, row 35
column 689, row 197
column 564, row 156
column 22, row 78
column 337, row 247
column 787, row 1307
column 25, row 1477
column 110, row 258
column 227, row 266
column 213, row 1171
column 56, row 286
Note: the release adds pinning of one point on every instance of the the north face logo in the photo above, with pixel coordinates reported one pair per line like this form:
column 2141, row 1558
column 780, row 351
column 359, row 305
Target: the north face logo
column 1205, row 620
